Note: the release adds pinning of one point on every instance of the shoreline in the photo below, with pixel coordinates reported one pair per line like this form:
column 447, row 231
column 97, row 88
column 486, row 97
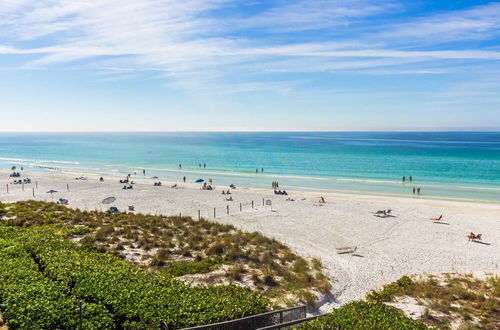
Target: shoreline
column 406, row 244
column 300, row 190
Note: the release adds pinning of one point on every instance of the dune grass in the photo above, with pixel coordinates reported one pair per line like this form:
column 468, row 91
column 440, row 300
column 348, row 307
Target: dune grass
column 181, row 246
column 459, row 299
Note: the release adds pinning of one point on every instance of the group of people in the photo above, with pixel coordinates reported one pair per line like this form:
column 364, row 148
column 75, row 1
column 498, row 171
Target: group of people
column 275, row 185
column 27, row 180
column 206, row 186
column 15, row 175
column 410, row 179
column 279, row 192
column 416, row 190
column 157, row 184
column 257, row 170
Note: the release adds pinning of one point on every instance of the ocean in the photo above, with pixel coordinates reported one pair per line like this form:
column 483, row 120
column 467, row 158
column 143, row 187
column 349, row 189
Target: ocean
column 460, row 165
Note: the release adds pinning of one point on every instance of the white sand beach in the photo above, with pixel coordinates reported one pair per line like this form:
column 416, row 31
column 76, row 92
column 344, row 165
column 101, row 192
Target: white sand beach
column 387, row 248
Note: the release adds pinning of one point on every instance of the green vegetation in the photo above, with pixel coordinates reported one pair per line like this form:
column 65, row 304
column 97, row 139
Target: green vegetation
column 180, row 245
column 459, row 298
column 44, row 278
column 56, row 260
column 360, row 315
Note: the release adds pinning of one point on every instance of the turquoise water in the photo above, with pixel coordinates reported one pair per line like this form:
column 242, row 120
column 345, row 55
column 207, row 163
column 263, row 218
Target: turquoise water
column 443, row 164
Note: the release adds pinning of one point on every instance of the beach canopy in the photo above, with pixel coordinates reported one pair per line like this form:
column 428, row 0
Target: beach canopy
column 199, row 180
column 108, row 200
column 154, row 177
column 51, row 191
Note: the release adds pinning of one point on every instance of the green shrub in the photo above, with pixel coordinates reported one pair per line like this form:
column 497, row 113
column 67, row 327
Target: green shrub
column 44, row 276
column 361, row 315
column 389, row 291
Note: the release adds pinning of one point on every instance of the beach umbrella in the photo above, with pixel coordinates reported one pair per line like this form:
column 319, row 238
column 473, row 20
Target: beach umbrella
column 154, row 177
column 108, row 200
column 51, row 191
column 199, row 180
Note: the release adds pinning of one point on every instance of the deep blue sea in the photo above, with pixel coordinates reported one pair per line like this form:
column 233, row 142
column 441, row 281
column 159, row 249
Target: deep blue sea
column 443, row 164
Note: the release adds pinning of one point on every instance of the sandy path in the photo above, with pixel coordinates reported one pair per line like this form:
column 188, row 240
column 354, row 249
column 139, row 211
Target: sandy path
column 409, row 243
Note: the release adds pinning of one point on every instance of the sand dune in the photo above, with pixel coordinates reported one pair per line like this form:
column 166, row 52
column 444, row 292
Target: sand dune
column 407, row 243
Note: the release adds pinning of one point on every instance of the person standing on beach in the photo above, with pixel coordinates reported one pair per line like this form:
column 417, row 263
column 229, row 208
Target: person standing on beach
column 411, row 179
column 413, row 190
column 418, row 190
column 184, row 179
column 180, row 166
column 262, row 170
column 404, row 179
column 143, row 172
column 204, row 165
column 256, row 170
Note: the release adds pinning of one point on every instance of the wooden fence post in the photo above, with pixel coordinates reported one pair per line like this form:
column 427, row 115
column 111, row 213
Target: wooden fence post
column 199, row 215
column 252, row 204
column 227, row 207
column 240, row 207
column 214, row 212
column 23, row 186
column 36, row 184
column 7, row 185
column 262, row 201
column 67, row 186
column 33, row 192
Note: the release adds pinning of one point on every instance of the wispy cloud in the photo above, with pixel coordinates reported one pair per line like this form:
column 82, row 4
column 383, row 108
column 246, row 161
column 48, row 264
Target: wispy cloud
column 303, row 15
column 184, row 39
column 477, row 23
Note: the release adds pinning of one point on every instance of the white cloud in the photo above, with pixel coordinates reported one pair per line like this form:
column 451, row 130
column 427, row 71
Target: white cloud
column 183, row 40
column 481, row 22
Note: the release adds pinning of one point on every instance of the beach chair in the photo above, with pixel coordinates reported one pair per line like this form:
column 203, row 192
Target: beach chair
column 346, row 249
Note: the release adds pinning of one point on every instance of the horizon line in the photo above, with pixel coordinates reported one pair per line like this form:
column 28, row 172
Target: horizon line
column 423, row 130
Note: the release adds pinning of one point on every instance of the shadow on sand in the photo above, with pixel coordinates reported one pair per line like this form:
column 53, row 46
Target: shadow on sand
column 479, row 242
column 441, row 223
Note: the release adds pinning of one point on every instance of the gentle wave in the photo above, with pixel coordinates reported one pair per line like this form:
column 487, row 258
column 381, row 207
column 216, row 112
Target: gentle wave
column 38, row 161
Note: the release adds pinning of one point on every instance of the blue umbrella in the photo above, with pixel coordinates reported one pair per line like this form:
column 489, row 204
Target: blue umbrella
column 199, row 180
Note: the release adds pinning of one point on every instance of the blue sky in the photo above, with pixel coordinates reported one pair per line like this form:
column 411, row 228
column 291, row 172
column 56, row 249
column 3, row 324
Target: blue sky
column 141, row 65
